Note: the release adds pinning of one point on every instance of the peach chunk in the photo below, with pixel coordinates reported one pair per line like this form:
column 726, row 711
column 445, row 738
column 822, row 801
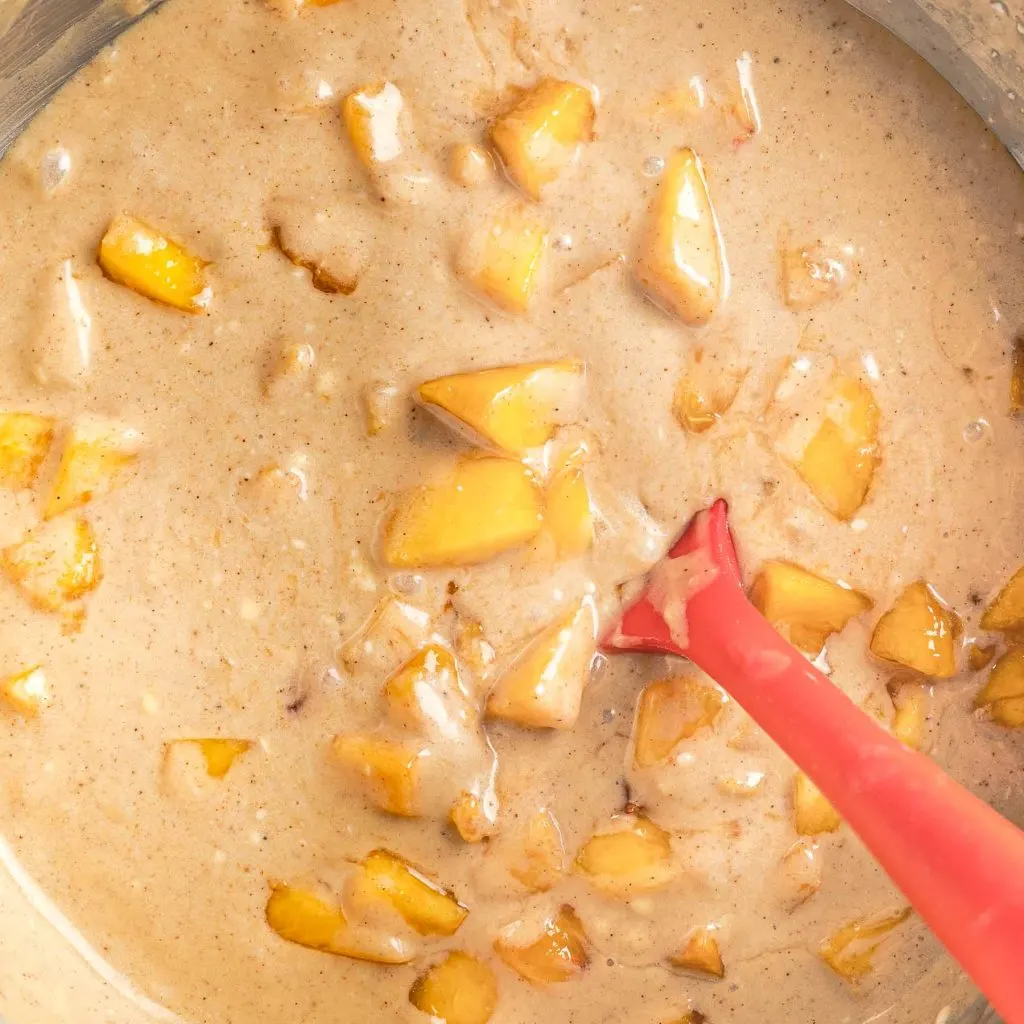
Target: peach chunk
column 568, row 516
column 813, row 813
column 381, row 406
column 670, row 711
column 706, row 392
column 96, row 455
column 24, row 442
column 458, row 990
column 911, row 701
column 26, row 692
column 514, row 408
column 537, row 856
column 543, row 687
column 141, row 258
column 425, row 695
column 483, row 507
column 807, row 607
column 426, row 907
column 634, row 857
column 920, row 632
column 1003, row 692
column 394, row 630
column 810, row 275
column 389, row 770
column 541, row 135
column 474, row 815
column 55, row 564
column 557, row 954
column 682, row 264
column 851, row 949
column 700, row 953
column 1006, row 613
column 798, row 875
column 502, row 259
column 218, row 754
column 307, row 919
column 373, row 117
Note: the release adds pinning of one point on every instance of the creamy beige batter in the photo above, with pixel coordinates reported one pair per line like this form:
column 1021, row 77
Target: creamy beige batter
column 231, row 595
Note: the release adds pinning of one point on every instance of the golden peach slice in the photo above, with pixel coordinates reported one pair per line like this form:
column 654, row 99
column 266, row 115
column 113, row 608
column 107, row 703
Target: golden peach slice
column 474, row 650
column 470, row 165
column 634, row 857
column 912, row 701
column 813, row 813
column 24, row 443
column 1003, row 692
column 850, row 951
column 541, row 135
column 682, row 264
column 141, row 258
column 56, row 564
column 458, row 990
column 979, row 655
column 380, row 406
column 483, row 507
column 502, row 259
column 1006, row 613
column 568, row 517
column 218, row 754
column 426, row 907
column 475, row 816
column 97, row 454
column 514, row 408
column 920, row 632
column 705, row 393
column 373, row 117
column 670, row 711
column 807, row 607
column 536, row 856
column 389, row 770
column 26, row 692
column 557, row 955
column 700, row 953
column 543, row 687
column 425, row 696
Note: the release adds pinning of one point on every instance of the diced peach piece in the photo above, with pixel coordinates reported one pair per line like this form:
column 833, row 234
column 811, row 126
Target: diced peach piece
column 850, row 951
column 568, row 517
column 911, row 700
column 24, row 443
column 798, row 876
column 514, row 408
column 541, row 135
column 303, row 917
column 920, row 632
column 474, row 816
column 141, row 258
column 1003, row 693
column 380, row 406
column 979, row 655
column 425, row 695
column 55, row 564
column 670, row 711
column 394, row 630
column 810, row 275
column 484, row 506
column 808, row 607
column 474, row 650
column 469, row 165
column 96, row 455
column 537, row 855
column 1017, row 379
column 635, row 856
column 1006, row 613
column 389, row 770
column 218, row 754
column 373, row 117
column 458, row 990
column 26, row 692
column 700, row 953
column 705, row 393
column 543, row 687
column 558, row 954
column 502, row 259
column 813, row 813
column 682, row 264
column 426, row 907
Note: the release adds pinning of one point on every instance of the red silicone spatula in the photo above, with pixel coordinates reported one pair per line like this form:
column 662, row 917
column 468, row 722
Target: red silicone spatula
column 958, row 862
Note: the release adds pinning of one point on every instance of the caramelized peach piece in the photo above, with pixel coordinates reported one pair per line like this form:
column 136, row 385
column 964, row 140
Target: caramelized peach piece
column 425, row 695
column 373, row 118
column 458, row 990
column 26, row 692
column 700, row 953
column 141, row 258
column 541, row 135
column 24, row 443
column 425, row 906
column 537, row 855
column 670, row 711
column 682, row 264
column 218, row 754
column 1006, row 613
column 514, row 408
column 1003, row 692
column 323, row 277
column 543, row 687
column 502, row 259
column 979, row 655
column 850, row 950
column 485, row 506
column 558, row 954
column 55, row 564
column 920, row 632
column 808, row 607
column 635, row 857
column 388, row 769
column 96, row 455
column 705, row 393
column 911, row 699
column 813, row 813
column 568, row 517
column 474, row 816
